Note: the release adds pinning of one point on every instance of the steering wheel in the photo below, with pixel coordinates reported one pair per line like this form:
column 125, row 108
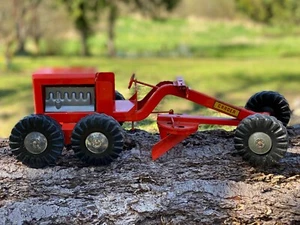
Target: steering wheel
column 132, row 79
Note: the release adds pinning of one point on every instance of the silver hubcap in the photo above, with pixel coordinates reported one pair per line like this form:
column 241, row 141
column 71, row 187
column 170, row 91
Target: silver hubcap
column 96, row 142
column 260, row 143
column 35, row 142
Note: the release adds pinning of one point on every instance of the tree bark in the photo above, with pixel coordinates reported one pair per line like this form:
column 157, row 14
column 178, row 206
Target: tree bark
column 200, row 181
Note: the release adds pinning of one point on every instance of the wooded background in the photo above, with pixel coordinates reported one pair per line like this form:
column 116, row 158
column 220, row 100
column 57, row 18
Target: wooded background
column 41, row 27
column 226, row 48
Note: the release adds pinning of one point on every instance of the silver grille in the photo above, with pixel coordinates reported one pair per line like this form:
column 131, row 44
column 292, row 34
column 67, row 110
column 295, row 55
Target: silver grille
column 69, row 99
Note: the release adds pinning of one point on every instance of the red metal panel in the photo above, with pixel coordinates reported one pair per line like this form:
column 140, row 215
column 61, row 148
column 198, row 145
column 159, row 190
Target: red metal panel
column 181, row 119
column 145, row 107
column 68, row 117
column 166, row 144
column 57, row 77
column 67, row 129
column 67, row 70
column 173, row 127
column 105, row 92
column 38, row 96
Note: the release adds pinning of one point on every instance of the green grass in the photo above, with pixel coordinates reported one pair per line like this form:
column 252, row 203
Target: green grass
column 187, row 38
column 233, row 80
column 194, row 37
column 228, row 60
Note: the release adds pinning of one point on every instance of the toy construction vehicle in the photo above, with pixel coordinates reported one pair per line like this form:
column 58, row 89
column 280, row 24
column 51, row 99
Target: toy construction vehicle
column 81, row 108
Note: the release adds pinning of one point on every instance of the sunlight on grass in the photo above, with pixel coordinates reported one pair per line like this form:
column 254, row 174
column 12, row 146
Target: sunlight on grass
column 230, row 60
column 232, row 80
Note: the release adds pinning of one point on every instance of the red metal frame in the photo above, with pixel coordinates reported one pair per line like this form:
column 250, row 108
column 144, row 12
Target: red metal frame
column 173, row 128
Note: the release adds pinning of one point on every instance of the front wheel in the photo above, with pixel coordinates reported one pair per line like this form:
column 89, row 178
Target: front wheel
column 262, row 140
column 37, row 141
column 97, row 139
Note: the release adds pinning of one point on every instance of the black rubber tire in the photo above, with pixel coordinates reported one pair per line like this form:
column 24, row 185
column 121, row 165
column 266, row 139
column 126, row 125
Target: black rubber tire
column 272, row 102
column 44, row 125
column 119, row 96
column 97, row 123
column 259, row 124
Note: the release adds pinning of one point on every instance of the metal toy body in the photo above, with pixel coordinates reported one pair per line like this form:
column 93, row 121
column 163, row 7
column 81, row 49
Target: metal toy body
column 82, row 107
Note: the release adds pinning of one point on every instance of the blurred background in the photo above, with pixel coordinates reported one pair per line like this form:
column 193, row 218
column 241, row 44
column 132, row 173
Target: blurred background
column 229, row 49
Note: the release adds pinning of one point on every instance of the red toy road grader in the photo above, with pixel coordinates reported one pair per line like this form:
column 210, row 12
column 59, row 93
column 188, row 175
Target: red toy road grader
column 81, row 108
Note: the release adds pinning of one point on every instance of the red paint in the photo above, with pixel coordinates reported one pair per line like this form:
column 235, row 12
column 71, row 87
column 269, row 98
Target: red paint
column 173, row 127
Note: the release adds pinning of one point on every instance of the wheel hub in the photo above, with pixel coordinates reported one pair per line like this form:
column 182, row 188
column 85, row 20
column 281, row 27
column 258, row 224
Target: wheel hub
column 260, row 143
column 35, row 142
column 96, row 142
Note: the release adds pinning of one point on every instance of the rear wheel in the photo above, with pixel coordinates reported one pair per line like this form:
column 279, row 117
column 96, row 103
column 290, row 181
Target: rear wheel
column 37, row 141
column 97, row 139
column 272, row 102
column 119, row 96
column 262, row 140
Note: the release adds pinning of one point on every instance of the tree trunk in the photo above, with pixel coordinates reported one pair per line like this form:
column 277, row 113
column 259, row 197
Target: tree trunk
column 84, row 29
column 84, row 43
column 113, row 13
column 8, row 54
column 21, row 47
column 37, row 39
column 36, row 26
column 20, row 12
column 7, row 61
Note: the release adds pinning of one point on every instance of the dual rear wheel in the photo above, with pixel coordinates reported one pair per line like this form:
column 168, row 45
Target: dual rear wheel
column 38, row 140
